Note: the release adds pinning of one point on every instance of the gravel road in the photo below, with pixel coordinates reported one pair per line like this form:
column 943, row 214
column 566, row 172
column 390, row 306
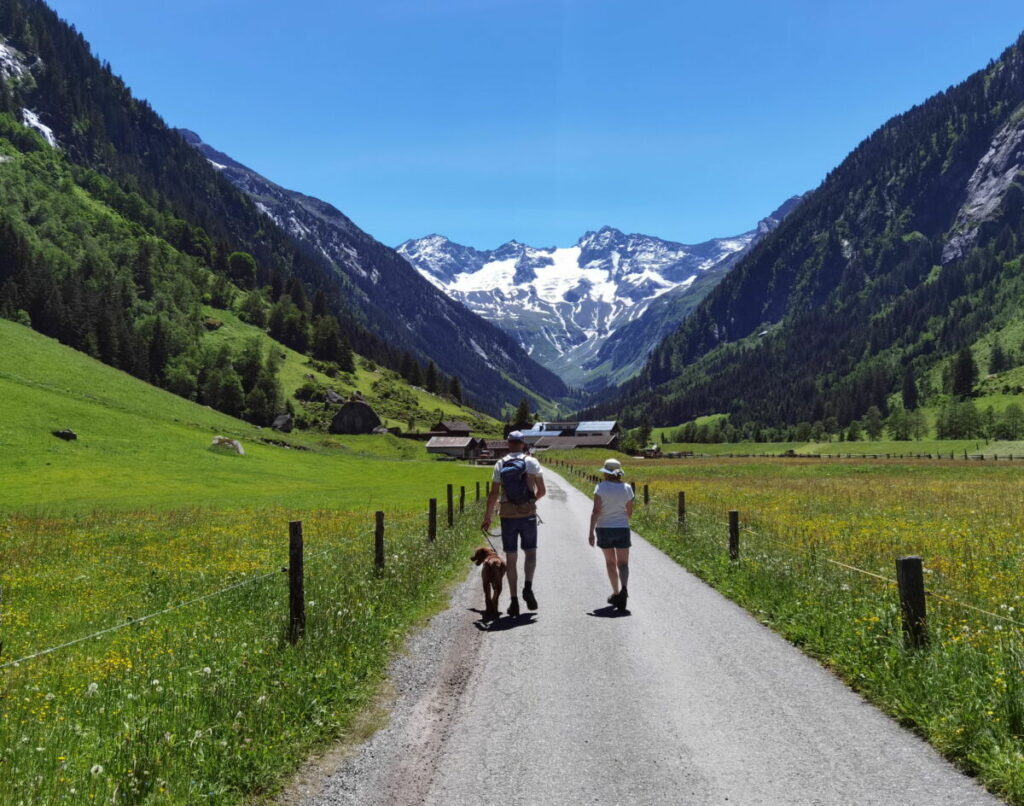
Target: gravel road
column 685, row 700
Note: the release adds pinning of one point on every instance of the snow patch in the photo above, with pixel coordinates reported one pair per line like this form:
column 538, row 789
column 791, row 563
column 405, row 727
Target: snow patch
column 479, row 350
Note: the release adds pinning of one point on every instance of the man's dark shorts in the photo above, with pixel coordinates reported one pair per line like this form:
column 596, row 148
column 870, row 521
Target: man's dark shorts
column 515, row 529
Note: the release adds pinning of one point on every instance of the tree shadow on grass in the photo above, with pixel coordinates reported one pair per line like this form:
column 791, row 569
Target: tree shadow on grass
column 502, row 622
column 609, row 612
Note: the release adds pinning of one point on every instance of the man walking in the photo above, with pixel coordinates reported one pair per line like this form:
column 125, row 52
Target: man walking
column 518, row 481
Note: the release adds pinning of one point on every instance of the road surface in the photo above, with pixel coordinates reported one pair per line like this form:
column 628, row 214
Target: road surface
column 685, row 700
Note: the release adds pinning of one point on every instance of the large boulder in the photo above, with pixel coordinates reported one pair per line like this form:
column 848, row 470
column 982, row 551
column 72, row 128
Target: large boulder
column 283, row 422
column 333, row 397
column 227, row 445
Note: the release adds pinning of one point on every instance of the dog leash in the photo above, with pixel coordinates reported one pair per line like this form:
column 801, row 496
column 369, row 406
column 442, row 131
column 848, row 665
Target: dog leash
column 488, row 536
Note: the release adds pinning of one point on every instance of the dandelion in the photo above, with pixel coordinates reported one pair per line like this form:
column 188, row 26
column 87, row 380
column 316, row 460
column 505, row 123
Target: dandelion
column 92, row 689
column 96, row 769
column 207, row 670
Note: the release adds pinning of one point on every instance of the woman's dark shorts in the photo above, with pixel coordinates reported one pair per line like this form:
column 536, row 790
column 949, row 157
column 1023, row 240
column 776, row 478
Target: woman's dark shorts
column 514, row 529
column 613, row 537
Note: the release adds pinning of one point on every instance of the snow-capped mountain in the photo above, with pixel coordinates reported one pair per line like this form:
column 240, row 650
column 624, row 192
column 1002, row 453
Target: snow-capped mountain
column 566, row 305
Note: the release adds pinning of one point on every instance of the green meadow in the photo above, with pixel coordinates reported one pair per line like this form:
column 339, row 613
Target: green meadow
column 141, row 447
column 206, row 701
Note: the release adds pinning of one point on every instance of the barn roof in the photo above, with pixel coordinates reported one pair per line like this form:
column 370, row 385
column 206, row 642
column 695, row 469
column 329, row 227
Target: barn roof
column 450, row 442
column 567, row 443
column 596, row 425
column 454, row 425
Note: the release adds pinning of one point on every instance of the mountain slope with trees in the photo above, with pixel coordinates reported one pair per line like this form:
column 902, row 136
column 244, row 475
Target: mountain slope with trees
column 113, row 151
column 910, row 251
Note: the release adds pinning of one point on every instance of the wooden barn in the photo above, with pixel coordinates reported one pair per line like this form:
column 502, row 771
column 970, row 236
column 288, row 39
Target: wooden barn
column 457, row 447
column 451, row 428
column 355, row 417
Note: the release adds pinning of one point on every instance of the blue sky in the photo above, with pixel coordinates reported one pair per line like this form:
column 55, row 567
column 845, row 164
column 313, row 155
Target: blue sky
column 487, row 120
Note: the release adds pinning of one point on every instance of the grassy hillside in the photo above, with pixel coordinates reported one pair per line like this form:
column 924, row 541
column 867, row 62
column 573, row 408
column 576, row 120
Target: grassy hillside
column 142, row 447
column 393, row 399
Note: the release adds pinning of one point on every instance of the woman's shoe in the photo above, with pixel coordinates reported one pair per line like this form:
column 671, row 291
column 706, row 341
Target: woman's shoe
column 614, row 599
column 620, row 602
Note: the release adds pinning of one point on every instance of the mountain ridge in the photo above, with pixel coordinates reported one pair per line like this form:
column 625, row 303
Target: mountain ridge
column 568, row 305
column 909, row 252
column 385, row 285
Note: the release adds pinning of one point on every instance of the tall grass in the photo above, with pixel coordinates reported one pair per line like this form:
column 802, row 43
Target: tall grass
column 209, row 702
column 803, row 522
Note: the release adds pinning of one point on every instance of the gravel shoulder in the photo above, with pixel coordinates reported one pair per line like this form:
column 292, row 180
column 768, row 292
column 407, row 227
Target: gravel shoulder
column 687, row 699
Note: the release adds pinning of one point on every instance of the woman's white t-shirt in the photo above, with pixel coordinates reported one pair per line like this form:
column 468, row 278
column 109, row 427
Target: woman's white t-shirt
column 614, row 497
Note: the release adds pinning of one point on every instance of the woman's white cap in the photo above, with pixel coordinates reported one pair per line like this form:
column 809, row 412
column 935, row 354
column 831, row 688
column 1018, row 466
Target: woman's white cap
column 612, row 467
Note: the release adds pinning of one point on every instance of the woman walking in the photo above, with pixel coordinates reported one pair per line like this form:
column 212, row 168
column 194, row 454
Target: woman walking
column 613, row 507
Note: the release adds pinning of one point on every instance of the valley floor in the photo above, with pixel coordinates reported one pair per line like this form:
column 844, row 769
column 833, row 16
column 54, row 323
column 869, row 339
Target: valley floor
column 685, row 699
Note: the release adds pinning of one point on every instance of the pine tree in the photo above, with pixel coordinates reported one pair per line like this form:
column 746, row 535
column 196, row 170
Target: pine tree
column 910, row 398
column 455, row 389
column 522, row 417
column 998, row 360
column 430, row 382
column 965, row 374
column 873, row 423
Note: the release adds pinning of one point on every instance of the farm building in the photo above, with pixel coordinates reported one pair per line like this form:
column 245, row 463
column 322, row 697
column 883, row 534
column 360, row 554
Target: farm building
column 493, row 449
column 459, row 447
column 451, row 428
column 355, row 417
column 589, row 428
column 608, row 441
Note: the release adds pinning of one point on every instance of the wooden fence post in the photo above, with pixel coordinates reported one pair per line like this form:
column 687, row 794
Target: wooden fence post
column 478, row 491
column 378, row 540
column 647, row 495
column 910, row 576
column 734, row 534
column 451, row 507
column 681, row 508
column 462, row 498
column 432, row 520
column 296, row 591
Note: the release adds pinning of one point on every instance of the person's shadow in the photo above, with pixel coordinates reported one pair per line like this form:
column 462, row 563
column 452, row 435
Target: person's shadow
column 608, row 612
column 502, row 622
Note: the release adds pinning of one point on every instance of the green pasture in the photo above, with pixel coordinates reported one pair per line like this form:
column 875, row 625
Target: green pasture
column 140, row 447
column 906, row 448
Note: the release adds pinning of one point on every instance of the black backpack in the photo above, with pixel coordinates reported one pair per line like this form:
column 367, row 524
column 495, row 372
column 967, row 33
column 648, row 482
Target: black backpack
column 513, row 480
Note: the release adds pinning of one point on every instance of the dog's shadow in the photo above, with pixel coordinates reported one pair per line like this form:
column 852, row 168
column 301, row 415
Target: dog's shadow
column 608, row 612
column 502, row 622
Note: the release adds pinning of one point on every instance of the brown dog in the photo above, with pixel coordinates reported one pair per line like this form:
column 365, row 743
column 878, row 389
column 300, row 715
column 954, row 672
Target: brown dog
column 492, row 574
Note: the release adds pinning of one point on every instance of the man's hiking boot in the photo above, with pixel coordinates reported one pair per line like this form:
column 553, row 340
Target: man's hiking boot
column 513, row 607
column 529, row 598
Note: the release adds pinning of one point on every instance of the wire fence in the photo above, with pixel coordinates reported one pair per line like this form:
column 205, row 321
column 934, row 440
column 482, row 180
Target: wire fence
column 405, row 522
column 713, row 520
